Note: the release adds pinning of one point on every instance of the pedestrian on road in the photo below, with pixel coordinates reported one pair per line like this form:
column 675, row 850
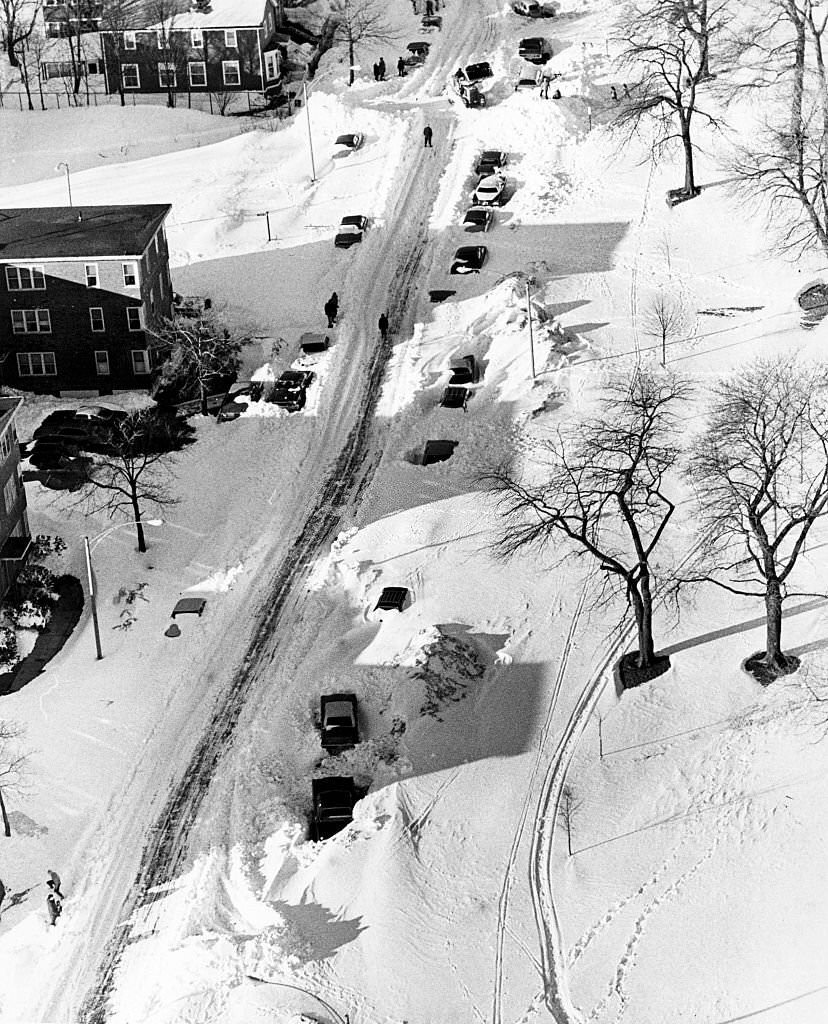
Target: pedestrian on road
column 54, row 906
column 382, row 323
column 331, row 308
column 381, row 66
column 626, row 90
column 376, row 72
column 54, row 878
column 544, row 89
column 614, row 93
column 2, row 894
column 401, row 67
column 427, row 136
column 429, row 8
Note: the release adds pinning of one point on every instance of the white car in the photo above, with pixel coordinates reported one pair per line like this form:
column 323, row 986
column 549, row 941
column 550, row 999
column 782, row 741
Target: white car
column 489, row 190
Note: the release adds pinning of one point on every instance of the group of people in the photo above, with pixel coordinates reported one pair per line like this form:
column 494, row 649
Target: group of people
column 614, row 92
column 379, row 70
column 331, row 309
column 431, row 6
column 54, row 897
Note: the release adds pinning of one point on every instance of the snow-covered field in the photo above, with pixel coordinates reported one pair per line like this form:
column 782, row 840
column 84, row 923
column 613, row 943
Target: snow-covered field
column 695, row 888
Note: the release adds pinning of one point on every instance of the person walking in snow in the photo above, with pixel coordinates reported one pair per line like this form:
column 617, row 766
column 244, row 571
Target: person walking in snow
column 429, row 8
column 381, row 66
column 382, row 323
column 614, row 93
column 54, row 905
column 376, row 71
column 331, row 308
column 427, row 136
column 401, row 67
column 54, row 882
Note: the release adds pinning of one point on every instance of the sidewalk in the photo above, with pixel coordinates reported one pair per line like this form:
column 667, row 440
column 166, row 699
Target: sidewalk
column 64, row 618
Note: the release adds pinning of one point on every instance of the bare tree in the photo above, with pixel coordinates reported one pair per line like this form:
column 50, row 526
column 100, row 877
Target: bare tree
column 172, row 44
column 664, row 64
column 117, row 17
column 13, row 767
column 760, row 471
column 17, row 22
column 200, row 349
column 665, row 318
column 134, row 469
column 568, row 807
column 605, row 488
column 360, row 22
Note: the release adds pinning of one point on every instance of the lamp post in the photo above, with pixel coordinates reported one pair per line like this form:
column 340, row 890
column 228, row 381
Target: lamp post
column 90, row 575
column 267, row 215
column 530, row 281
column 65, row 166
column 310, row 134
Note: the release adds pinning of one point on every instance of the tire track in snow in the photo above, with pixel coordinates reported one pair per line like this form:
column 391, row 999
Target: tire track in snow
column 503, row 901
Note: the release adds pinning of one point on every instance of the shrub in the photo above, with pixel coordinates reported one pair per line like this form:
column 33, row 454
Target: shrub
column 8, row 647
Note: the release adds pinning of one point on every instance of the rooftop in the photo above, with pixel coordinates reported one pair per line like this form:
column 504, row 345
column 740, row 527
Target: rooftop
column 222, row 14
column 55, row 232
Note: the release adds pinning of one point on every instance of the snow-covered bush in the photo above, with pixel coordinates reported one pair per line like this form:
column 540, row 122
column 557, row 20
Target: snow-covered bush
column 8, row 649
column 32, row 608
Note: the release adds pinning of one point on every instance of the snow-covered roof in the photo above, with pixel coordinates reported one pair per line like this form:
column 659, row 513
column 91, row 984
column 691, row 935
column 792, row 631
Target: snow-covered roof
column 222, row 14
column 58, row 48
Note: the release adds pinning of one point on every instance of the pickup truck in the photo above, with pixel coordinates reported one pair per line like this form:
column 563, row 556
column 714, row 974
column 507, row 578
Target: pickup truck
column 333, row 806
column 338, row 721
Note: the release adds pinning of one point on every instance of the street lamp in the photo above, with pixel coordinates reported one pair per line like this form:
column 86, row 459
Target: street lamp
column 530, row 281
column 65, row 166
column 88, row 547
column 267, row 215
column 305, row 95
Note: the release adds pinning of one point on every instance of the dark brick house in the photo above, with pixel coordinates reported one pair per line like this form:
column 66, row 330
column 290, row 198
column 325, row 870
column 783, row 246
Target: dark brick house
column 219, row 47
column 79, row 285
column 15, row 539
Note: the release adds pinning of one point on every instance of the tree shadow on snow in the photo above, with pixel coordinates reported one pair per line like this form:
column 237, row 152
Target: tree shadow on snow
column 319, row 928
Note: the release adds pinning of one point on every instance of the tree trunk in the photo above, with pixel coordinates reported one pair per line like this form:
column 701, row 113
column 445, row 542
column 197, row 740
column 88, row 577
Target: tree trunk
column 774, row 657
column 689, row 176
column 139, row 526
column 6, row 822
column 642, row 602
column 203, row 395
column 351, row 59
column 10, row 50
column 799, row 76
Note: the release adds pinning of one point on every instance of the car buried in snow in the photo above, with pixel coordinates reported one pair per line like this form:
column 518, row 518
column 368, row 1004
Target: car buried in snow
column 350, row 231
column 289, row 391
column 478, row 218
column 472, row 74
column 338, row 722
column 490, row 160
column 489, row 190
column 349, row 142
column 469, row 259
column 333, row 806
column 536, row 50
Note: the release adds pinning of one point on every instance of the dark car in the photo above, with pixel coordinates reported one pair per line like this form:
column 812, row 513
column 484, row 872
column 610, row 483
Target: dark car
column 350, row 231
column 417, row 53
column 338, row 721
column 432, row 21
column 535, row 49
column 469, row 259
column 350, row 141
column 289, row 391
column 333, row 806
column 475, row 72
column 53, row 454
column 471, row 95
column 455, row 398
column 478, row 218
column 532, row 9
column 464, row 371
column 491, row 160
column 311, row 342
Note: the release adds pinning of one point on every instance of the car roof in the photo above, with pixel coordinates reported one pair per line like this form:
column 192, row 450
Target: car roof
column 469, row 250
column 354, row 220
column 483, row 211
column 532, row 40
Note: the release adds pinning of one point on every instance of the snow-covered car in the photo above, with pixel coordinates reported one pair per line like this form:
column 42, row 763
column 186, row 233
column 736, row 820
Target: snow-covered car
column 469, row 259
column 532, row 9
column 311, row 342
column 417, row 53
column 474, row 73
column 338, row 722
column 430, row 21
column 333, row 806
column 490, row 160
column 535, row 49
column 471, row 95
column 350, row 231
column 350, row 142
column 289, row 391
column 489, row 190
column 528, row 78
column 464, row 371
column 478, row 218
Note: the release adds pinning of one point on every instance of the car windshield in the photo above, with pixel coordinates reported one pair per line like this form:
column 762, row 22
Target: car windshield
column 339, row 711
column 476, row 216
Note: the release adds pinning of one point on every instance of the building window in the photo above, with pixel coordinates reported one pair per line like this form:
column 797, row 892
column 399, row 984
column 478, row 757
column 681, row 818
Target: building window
column 198, row 74
column 130, row 42
column 131, row 77
column 196, row 38
column 102, row 362
column 272, row 65
column 96, row 319
column 130, row 271
column 140, row 361
column 36, row 364
column 230, row 72
column 167, row 78
column 91, row 271
column 25, row 279
column 230, row 38
column 6, row 441
column 31, row 321
column 10, row 492
column 133, row 315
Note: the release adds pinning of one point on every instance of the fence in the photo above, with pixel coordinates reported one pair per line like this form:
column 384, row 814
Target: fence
column 235, row 103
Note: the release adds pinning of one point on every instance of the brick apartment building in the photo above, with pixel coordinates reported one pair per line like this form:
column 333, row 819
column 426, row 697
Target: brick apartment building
column 78, row 288
column 218, row 47
column 15, row 539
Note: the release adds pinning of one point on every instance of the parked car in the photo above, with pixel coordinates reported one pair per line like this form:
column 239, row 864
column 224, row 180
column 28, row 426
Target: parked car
column 191, row 306
column 478, row 218
column 350, row 231
column 338, row 721
column 333, row 806
column 417, row 53
column 238, row 399
column 489, row 190
column 289, row 391
column 48, row 453
column 464, row 371
column 532, row 9
column 469, row 259
column 471, row 95
column 491, row 160
column 430, row 21
column 474, row 72
column 311, row 341
column 349, row 142
column 536, row 50
column 455, row 398
column 528, row 78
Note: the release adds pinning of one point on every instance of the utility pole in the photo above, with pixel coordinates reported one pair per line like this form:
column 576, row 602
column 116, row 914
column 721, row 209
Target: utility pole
column 65, row 166
column 93, row 600
column 310, row 136
column 529, row 281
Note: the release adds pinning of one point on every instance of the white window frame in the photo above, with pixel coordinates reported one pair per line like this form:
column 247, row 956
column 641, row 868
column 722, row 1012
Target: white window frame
column 225, row 64
column 96, row 316
column 271, row 59
column 26, row 364
column 130, row 270
column 131, row 67
column 164, row 73
column 196, row 38
column 130, row 41
column 144, row 362
column 131, row 325
column 231, row 39
column 16, row 283
column 197, row 64
column 31, row 321
column 91, row 272
column 100, row 363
